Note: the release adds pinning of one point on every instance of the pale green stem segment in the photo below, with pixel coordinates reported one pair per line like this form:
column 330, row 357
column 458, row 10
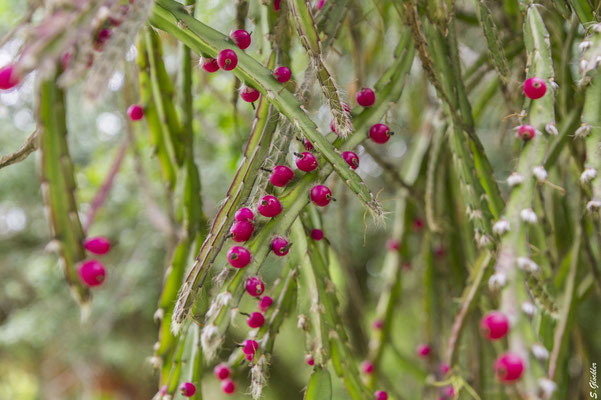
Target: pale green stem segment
column 493, row 39
column 173, row 18
column 591, row 119
column 309, row 37
column 58, row 186
column 320, row 385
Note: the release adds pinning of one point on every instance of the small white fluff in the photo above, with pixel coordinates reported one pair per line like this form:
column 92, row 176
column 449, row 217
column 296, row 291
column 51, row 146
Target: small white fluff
column 515, row 179
column 539, row 351
column 551, row 129
column 527, row 264
column 593, row 205
column 528, row 308
column 529, row 216
column 584, row 45
column 583, row 131
column 540, row 173
column 588, row 175
column 497, row 281
column 547, row 388
column 501, row 226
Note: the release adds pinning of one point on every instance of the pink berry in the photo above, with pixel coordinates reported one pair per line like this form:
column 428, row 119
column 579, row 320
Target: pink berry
column 244, row 214
column 104, row 35
column 321, row 195
column 423, row 350
column 163, row 390
column 281, row 175
column 444, row 369
column 256, row 320
column 494, row 325
column 306, row 161
column 381, row 395
column 418, row 224
column 249, row 94
column 309, row 360
column 316, row 234
column 250, row 348
column 269, row 206
column 282, row 74
column 265, row 303
column 351, row 159
column 393, row 245
column 241, row 231
column 367, row 367
column 447, row 392
column 280, row 246
column 366, row 97
column 209, row 64
column 8, row 77
column 66, row 59
column 378, row 324
column 535, row 88
column 320, row 4
column 97, row 245
column 92, row 273
column 222, row 371
column 238, row 257
column 187, row 389
column 509, row 367
column 276, row 5
column 526, row 132
column 308, row 145
column 254, row 286
column 227, row 59
column 228, row 386
column 135, row 112
column 440, row 252
column 241, row 38
column 380, row 133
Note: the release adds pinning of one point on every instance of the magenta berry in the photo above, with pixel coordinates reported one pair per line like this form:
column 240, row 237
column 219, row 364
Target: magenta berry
column 238, row 257
column 241, row 231
column 97, row 245
column 249, row 94
column 265, row 303
column 494, row 325
column 276, row 5
column 444, row 369
column 228, row 386
column 447, row 392
column 255, row 320
column 380, row 133
column 418, row 224
column 269, row 206
column 249, row 349
column 209, row 64
column 309, row 360
column 393, row 245
column 187, row 389
column 316, row 234
column 254, row 286
column 227, row 59
column 351, row 159
column 306, row 161
column 163, row 390
column 509, row 367
column 380, row 395
column 378, row 324
column 423, row 350
column 244, row 214
column 241, row 38
column 526, row 132
column 321, row 195
column 366, row 97
column 308, row 145
column 282, row 74
column 222, row 371
column 367, row 367
column 92, row 273
column 280, row 246
column 8, row 77
column 535, row 88
column 320, row 4
column 281, row 175
column 135, row 112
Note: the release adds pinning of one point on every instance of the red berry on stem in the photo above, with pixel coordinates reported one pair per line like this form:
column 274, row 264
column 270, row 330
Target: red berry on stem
column 228, row 386
column 92, row 273
column 249, row 94
column 380, row 133
column 393, row 245
column 316, row 234
column 308, row 145
column 351, row 159
column 265, row 303
column 187, row 389
column 97, row 245
column 281, row 175
column 238, row 257
column 135, row 112
column 282, row 74
column 8, row 77
column 227, row 59
column 381, row 395
column 378, row 324
column 309, row 360
column 269, row 206
column 222, row 371
column 250, row 348
column 244, row 214
column 366, row 97
column 276, row 5
column 306, row 161
column 242, row 231
column 255, row 320
column 254, row 286
column 494, row 325
column 526, row 132
column 321, row 195
column 241, row 38
column 209, row 64
column 509, row 367
column 423, row 350
column 280, row 246
column 535, row 88
column 367, row 367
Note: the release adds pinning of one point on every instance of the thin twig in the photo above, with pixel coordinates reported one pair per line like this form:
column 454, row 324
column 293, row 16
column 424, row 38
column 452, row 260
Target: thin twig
column 30, row 145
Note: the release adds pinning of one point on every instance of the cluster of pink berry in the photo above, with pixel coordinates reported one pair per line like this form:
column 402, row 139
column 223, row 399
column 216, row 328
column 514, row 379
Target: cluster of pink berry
column 534, row 88
column 92, row 272
column 187, row 389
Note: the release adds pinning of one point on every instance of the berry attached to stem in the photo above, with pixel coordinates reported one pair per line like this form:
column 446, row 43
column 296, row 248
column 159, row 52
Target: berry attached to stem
column 281, row 175
column 280, row 246
column 535, row 88
column 317, row 234
column 282, row 74
column 526, row 132
column 227, row 59
column 209, row 64
column 241, row 231
column 254, row 286
column 97, row 245
column 380, row 395
column 269, row 206
column 8, row 77
column 187, row 389
column 222, row 371
column 423, row 350
column 255, row 320
column 238, row 257
column 380, row 133
column 249, row 94
column 241, row 38
column 366, row 97
column 265, row 303
column 92, row 273
column 509, row 367
column 135, row 112
column 351, row 159
column 321, row 195
column 306, row 161
column 244, row 214
column 228, row 386
column 494, row 325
